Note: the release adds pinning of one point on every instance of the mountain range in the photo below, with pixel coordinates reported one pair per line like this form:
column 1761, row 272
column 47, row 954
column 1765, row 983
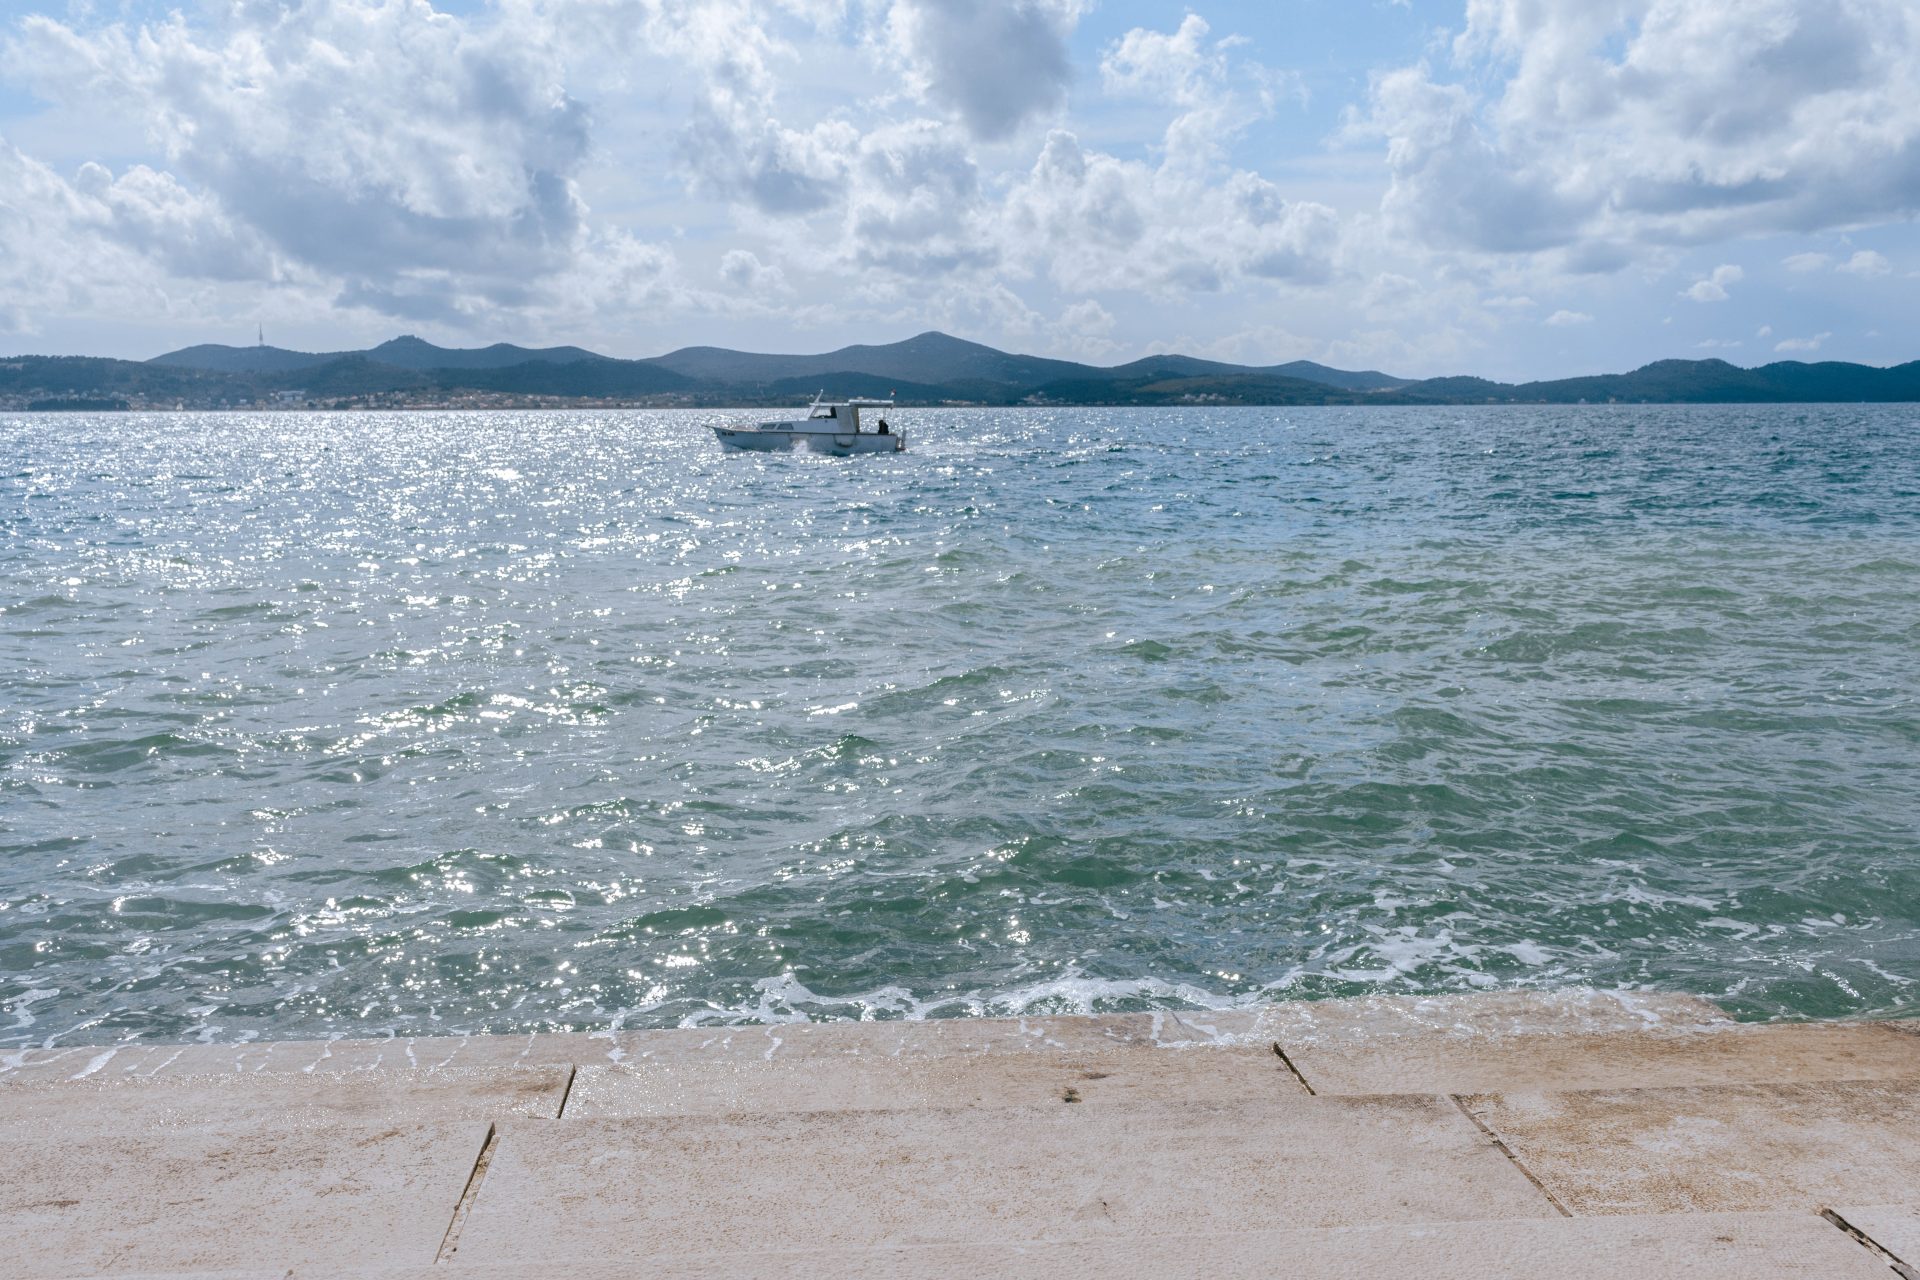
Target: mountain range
column 931, row 368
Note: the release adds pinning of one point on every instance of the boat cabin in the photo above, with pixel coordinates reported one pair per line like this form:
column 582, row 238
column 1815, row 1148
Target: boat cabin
column 845, row 414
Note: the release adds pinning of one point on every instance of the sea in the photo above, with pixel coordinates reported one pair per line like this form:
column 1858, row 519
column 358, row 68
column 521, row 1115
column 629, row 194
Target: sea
column 319, row 724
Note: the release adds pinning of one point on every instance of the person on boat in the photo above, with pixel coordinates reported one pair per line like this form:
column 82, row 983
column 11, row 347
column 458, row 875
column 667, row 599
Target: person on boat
column 882, row 430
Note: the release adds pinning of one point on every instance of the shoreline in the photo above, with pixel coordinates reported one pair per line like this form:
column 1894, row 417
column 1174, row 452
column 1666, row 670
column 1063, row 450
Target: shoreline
column 1506, row 1134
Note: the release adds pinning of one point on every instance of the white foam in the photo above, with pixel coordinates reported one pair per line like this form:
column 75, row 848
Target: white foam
column 19, row 1006
column 786, row 999
column 96, row 1063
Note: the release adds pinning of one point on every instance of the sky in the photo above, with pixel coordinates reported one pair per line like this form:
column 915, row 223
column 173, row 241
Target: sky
column 1511, row 188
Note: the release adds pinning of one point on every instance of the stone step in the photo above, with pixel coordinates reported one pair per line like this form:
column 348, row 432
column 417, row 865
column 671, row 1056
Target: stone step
column 732, row 1183
column 102, row 1105
column 1578, row 1011
column 1581, row 1040
column 1349, row 1048
column 1449, row 1044
column 1703, row 1247
column 179, row 1200
column 1151, row 1144
column 1102, row 1077
column 1715, row 1149
column 1891, row 1229
column 140, row 1060
column 1479, row 1043
column 1448, row 1062
column 933, row 1038
column 945, row 1037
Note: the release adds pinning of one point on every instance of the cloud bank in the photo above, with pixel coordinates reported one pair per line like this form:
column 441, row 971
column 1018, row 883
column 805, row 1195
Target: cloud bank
column 654, row 168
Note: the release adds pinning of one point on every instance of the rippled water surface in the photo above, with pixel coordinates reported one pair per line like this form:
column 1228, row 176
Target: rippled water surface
column 318, row 724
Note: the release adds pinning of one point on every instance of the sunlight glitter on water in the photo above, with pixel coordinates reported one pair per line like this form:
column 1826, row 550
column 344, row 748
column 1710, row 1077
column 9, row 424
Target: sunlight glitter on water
column 362, row 723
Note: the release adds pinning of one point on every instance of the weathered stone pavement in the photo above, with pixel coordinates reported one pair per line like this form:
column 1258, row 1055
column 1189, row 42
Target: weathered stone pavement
column 1579, row 1136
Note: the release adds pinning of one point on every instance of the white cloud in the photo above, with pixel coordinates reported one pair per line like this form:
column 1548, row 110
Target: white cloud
column 1187, row 222
column 44, row 222
column 1814, row 343
column 1764, row 331
column 1085, row 330
column 1092, row 221
column 743, row 269
column 1719, row 344
column 1654, row 122
column 974, row 308
column 414, row 157
column 733, row 144
column 1087, row 318
column 1215, row 94
column 996, row 64
column 101, row 248
column 1713, row 288
column 1563, row 319
column 183, row 232
column 1181, row 65
column 1450, row 185
column 1866, row 263
column 914, row 203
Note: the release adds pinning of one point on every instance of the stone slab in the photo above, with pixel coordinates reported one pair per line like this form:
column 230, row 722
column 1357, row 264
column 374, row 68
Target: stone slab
column 140, row 1059
column 1493, row 1013
column 740, row 1184
column 894, row 1038
column 940, row 1037
column 1894, row 1228
column 196, row 1200
column 1484, row 1043
column 169, row 1102
column 1490, row 1014
column 1702, row 1247
column 1135, row 1077
column 1715, row 1149
column 1471, row 1062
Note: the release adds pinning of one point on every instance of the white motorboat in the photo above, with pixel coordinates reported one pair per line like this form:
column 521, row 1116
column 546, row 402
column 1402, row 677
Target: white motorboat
column 838, row 427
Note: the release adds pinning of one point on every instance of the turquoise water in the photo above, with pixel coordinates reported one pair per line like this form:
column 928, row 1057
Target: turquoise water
column 348, row 724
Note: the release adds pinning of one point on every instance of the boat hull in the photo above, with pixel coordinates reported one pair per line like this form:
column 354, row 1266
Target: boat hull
column 836, row 444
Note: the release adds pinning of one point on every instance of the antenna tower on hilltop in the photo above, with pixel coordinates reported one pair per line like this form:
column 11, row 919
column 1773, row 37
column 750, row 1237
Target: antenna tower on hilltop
column 263, row 335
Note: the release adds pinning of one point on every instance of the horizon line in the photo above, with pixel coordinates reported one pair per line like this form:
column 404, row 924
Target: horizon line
column 1781, row 358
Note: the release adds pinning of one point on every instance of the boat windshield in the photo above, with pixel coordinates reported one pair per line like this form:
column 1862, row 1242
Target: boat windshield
column 825, row 411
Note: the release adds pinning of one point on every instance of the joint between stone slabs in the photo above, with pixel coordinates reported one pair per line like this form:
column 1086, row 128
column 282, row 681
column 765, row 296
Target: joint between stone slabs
column 450, row 1243
column 1872, row 1246
column 1500, row 1145
column 1281, row 1054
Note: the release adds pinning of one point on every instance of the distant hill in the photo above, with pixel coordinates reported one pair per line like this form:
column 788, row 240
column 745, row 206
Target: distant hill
column 600, row 378
column 846, row 382
column 44, row 378
column 260, row 359
column 612, row 379
column 1161, row 385
column 930, row 368
column 406, row 352
column 1697, row 382
column 930, row 359
column 1308, row 371
column 414, row 353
